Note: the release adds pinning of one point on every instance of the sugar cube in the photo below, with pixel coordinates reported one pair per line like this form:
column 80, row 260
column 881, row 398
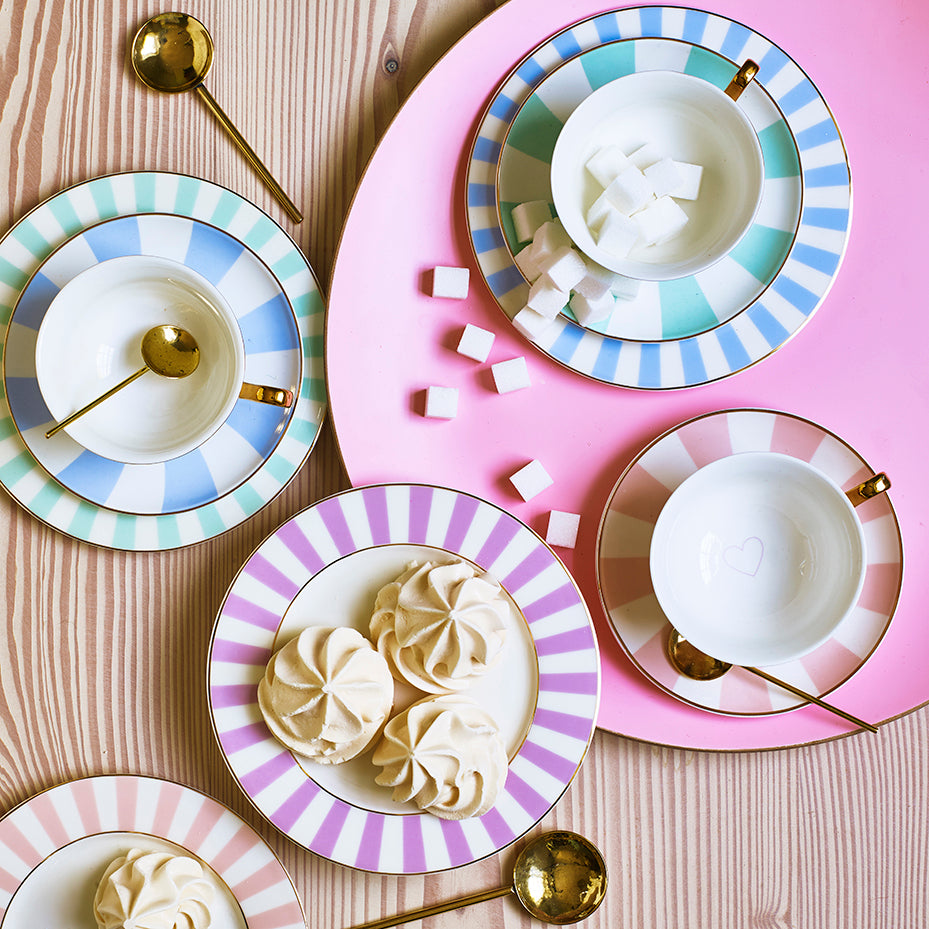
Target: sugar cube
column 618, row 234
column 596, row 281
column 664, row 177
column 564, row 267
column 545, row 298
column 530, row 323
column 527, row 264
column 624, row 288
column 475, row 342
column 646, row 155
column 510, row 375
column 531, row 480
column 549, row 237
column 450, row 282
column 691, row 176
column 597, row 212
column 527, row 217
column 562, row 529
column 441, row 402
column 606, row 163
column 592, row 309
column 630, row 191
column 660, row 220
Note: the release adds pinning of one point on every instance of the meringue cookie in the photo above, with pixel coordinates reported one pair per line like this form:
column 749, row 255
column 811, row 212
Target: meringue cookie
column 440, row 626
column 153, row 890
column 326, row 693
column 445, row 754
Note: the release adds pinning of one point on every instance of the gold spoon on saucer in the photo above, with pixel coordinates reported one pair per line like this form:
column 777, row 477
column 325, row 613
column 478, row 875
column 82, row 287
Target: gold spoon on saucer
column 688, row 660
column 172, row 52
column 559, row 878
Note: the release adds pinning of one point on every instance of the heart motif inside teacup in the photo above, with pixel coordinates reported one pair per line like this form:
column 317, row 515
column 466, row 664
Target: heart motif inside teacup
column 747, row 557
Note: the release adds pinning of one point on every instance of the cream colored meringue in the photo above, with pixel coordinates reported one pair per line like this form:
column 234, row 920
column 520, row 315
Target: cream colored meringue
column 153, row 890
column 445, row 754
column 440, row 626
column 326, row 693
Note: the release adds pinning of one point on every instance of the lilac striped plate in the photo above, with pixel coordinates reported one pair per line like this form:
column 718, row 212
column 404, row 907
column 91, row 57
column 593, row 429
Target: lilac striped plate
column 55, row 846
column 325, row 566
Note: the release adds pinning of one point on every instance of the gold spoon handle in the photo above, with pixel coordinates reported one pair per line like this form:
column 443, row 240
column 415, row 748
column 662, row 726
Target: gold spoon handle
column 93, row 403
column 822, row 703
column 249, row 153
column 435, row 908
column 276, row 396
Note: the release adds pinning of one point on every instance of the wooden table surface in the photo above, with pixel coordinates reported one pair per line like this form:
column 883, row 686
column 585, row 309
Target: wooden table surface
column 102, row 663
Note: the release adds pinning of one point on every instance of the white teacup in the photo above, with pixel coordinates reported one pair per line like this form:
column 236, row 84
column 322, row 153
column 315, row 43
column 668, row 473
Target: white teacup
column 757, row 558
column 688, row 119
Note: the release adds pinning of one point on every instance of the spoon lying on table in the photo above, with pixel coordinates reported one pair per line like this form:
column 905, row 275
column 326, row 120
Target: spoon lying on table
column 691, row 662
column 172, row 52
column 559, row 878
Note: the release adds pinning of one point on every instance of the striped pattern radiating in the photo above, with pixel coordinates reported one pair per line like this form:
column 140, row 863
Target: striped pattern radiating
column 565, row 647
column 623, row 555
column 699, row 329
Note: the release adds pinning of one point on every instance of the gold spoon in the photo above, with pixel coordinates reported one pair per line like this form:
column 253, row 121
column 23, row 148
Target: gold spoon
column 691, row 662
column 173, row 52
column 559, row 878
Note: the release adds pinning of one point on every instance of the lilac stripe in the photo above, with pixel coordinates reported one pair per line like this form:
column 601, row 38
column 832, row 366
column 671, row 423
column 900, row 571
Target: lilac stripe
column 333, row 517
column 562, row 599
column 574, row 640
column 226, row 695
column 330, row 830
column 271, row 576
column 369, row 852
column 293, row 537
column 420, row 506
column 375, row 501
column 459, row 852
column 498, row 830
column 578, row 727
column 414, row 852
column 460, row 522
column 294, row 806
column 500, row 536
column 244, row 737
column 531, row 567
column 249, row 612
column 236, row 653
column 582, row 683
column 560, row 768
column 256, row 781
column 527, row 797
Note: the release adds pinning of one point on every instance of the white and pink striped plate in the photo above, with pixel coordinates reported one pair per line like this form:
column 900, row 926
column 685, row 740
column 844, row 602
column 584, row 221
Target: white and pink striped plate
column 55, row 846
column 626, row 532
column 325, row 566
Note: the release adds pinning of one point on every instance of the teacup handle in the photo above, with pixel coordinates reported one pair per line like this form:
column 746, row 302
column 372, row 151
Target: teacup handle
column 873, row 486
column 743, row 77
column 276, row 396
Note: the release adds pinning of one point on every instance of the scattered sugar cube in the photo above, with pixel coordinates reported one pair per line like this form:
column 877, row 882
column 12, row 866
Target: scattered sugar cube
column 606, row 163
column 664, row 177
column 527, row 217
column 549, row 237
column 630, row 191
column 510, row 375
column 562, row 529
column 625, row 288
column 450, row 282
column 545, row 298
column 596, row 282
column 646, row 155
column 564, row 267
column 618, row 234
column 527, row 264
column 531, row 480
column 691, row 175
column 441, row 402
column 660, row 220
column 592, row 309
column 475, row 342
column 530, row 323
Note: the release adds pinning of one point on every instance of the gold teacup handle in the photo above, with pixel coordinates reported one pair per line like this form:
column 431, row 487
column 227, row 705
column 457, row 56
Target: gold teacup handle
column 743, row 77
column 873, row 486
column 276, row 396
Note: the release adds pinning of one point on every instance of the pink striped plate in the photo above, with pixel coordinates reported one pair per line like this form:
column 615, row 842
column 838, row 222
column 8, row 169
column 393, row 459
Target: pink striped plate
column 626, row 532
column 55, row 846
column 325, row 566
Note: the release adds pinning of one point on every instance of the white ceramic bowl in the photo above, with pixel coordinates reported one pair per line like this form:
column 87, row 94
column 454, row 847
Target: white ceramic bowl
column 757, row 558
column 689, row 120
column 90, row 340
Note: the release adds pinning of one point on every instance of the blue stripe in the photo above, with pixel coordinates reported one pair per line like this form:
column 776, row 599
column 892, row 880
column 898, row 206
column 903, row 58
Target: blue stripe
column 826, row 217
column 817, row 258
column 650, row 19
column 91, row 476
column 694, row 26
column 486, row 150
column 827, row 176
column 260, row 424
column 504, row 109
column 188, row 482
column 35, row 301
column 26, row 402
column 774, row 333
column 604, row 368
column 692, row 360
column 607, row 28
column 211, row 252
column 566, row 45
column 736, row 37
column 771, row 63
column 798, row 97
column 650, row 366
column 270, row 327
column 796, row 294
column 531, row 72
column 114, row 239
column 566, row 343
column 481, row 195
column 486, row 240
column 820, row 134
column 503, row 281
column 733, row 349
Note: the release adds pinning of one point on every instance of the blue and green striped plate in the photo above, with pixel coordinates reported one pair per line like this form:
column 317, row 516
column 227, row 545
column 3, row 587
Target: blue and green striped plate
column 697, row 329
column 201, row 496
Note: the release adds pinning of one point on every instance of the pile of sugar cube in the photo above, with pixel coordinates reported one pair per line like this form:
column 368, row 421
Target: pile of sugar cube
column 559, row 275
column 638, row 203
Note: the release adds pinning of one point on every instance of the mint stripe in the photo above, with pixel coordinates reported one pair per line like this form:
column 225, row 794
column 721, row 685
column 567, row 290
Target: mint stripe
column 260, row 234
column 289, row 265
column 16, row 468
column 14, row 277
column 280, row 468
column 226, row 210
column 762, row 251
column 709, row 66
column 124, row 534
column 82, row 521
column 145, row 199
column 41, row 504
column 685, row 311
column 186, row 196
column 210, row 522
column 535, row 130
column 101, row 192
column 30, row 238
column 63, row 210
column 168, row 534
column 608, row 63
column 779, row 150
column 249, row 499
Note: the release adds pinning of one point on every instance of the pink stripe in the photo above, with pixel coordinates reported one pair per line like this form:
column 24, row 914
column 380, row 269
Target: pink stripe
column 331, row 828
column 169, row 799
column 624, row 580
column 575, row 726
column 127, row 796
column 295, row 540
column 881, row 586
column 239, row 607
column 560, row 768
column 207, row 817
column 271, row 576
column 226, row 695
column 640, row 495
column 414, row 851
column 573, row 640
column 570, row 683
column 707, row 439
column 295, row 805
column 796, row 437
column 47, row 815
column 20, row 846
column 288, row 914
column 500, row 833
column 459, row 852
column 240, row 844
column 8, row 883
column 237, row 653
column 652, row 656
column 742, row 692
column 86, row 803
column 369, row 852
column 263, row 879
column 265, row 774
column 526, row 796
column 830, row 663
column 234, row 740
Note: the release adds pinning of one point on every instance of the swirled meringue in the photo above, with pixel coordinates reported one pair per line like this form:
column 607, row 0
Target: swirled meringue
column 445, row 754
column 326, row 693
column 153, row 890
column 440, row 626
